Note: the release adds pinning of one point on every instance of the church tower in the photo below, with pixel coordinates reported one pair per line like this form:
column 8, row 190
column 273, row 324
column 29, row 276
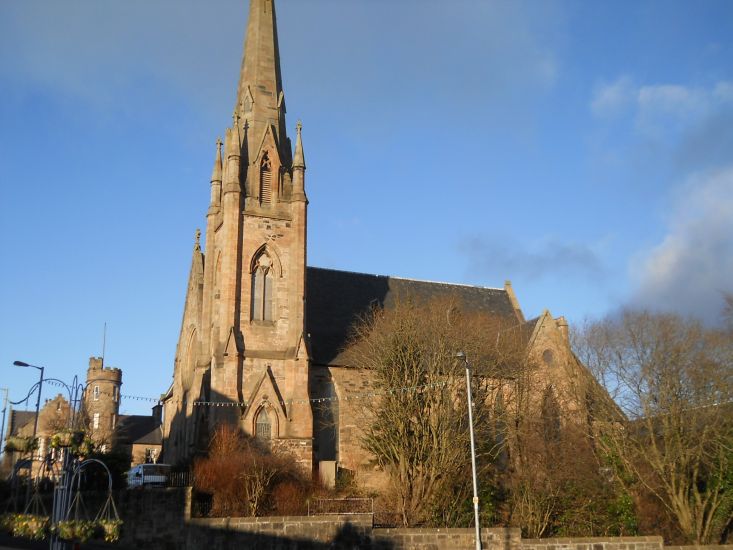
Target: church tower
column 242, row 356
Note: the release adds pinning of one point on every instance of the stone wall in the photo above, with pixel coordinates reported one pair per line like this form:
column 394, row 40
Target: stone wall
column 594, row 543
column 161, row 520
column 154, row 518
column 445, row 539
column 315, row 532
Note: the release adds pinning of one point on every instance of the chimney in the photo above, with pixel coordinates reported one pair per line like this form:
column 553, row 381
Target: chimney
column 158, row 413
column 562, row 324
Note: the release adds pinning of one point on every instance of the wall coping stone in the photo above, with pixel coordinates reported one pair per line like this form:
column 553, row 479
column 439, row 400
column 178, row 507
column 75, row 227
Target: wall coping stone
column 595, row 540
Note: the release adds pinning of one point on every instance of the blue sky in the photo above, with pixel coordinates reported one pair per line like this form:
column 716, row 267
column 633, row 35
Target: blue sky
column 583, row 150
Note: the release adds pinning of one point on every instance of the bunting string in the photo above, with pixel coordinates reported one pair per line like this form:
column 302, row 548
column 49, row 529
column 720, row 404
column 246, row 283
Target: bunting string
column 352, row 397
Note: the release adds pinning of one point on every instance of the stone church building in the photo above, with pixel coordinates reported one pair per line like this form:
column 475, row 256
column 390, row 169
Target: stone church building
column 263, row 333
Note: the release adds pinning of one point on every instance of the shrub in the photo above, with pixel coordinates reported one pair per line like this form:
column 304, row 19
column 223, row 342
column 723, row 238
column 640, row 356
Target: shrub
column 242, row 477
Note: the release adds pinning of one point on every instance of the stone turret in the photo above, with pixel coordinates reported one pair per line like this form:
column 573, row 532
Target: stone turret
column 102, row 401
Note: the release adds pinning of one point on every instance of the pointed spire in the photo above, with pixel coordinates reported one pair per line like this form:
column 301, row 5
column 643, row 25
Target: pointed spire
column 299, row 158
column 216, row 172
column 259, row 94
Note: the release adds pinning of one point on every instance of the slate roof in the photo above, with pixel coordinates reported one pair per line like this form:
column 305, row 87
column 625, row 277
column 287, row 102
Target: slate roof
column 18, row 419
column 138, row 429
column 336, row 299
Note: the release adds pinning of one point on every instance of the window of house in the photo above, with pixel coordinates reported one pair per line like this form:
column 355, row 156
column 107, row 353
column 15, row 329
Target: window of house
column 96, row 393
column 115, row 393
column 114, row 421
column 95, row 422
column 263, row 426
column 262, row 283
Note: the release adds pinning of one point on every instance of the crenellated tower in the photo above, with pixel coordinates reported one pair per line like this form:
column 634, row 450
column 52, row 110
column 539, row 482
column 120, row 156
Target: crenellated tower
column 102, row 401
column 242, row 343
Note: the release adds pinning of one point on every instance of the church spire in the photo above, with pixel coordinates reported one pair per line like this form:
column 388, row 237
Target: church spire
column 299, row 158
column 216, row 180
column 260, row 99
column 216, row 172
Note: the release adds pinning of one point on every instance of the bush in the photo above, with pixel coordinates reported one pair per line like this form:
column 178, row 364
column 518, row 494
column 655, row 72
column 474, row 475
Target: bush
column 243, row 478
column 290, row 498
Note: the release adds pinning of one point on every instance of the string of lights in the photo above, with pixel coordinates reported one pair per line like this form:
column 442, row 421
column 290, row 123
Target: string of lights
column 123, row 396
column 353, row 397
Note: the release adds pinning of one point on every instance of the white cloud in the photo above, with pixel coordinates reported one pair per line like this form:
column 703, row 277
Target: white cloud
column 611, row 99
column 660, row 109
column 693, row 264
column 688, row 127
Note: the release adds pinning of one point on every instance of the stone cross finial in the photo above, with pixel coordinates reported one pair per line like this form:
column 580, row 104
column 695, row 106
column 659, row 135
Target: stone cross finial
column 299, row 126
column 219, row 143
column 197, row 244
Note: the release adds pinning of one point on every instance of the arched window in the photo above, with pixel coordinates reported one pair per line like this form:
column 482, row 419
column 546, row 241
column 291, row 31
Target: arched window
column 265, row 180
column 263, row 426
column 262, row 282
column 550, row 415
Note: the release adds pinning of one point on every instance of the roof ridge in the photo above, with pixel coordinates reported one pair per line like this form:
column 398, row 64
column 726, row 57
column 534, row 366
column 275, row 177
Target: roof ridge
column 406, row 278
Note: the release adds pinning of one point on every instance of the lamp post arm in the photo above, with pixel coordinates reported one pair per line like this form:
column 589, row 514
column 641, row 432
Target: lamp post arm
column 27, row 397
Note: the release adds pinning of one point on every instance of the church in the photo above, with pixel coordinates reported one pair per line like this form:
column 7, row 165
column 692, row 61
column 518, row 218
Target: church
column 263, row 334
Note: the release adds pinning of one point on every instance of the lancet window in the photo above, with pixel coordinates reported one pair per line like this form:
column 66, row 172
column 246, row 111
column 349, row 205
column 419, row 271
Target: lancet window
column 263, row 426
column 262, row 289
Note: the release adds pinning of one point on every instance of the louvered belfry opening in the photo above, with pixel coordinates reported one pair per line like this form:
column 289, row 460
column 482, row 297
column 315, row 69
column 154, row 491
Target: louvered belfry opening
column 265, row 180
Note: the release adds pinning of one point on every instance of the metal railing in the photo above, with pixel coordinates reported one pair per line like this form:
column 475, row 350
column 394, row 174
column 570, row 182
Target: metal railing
column 179, row 479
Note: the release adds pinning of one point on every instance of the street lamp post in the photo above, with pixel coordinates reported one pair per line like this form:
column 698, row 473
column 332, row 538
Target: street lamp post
column 462, row 355
column 2, row 427
column 35, row 426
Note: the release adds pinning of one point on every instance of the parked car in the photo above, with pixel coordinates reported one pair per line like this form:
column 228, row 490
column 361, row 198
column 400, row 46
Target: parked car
column 150, row 475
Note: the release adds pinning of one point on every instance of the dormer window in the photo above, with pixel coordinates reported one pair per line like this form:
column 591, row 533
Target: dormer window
column 262, row 282
column 265, row 180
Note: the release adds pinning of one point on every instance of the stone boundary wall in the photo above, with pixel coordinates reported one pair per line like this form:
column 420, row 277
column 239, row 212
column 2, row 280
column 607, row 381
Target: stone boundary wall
column 332, row 531
column 161, row 520
column 594, row 543
column 444, row 539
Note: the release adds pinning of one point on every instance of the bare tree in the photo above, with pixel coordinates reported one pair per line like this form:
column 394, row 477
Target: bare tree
column 673, row 381
column 240, row 475
column 417, row 429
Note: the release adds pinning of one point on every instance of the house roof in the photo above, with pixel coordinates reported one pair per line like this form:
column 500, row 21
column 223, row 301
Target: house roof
column 133, row 429
column 336, row 299
column 18, row 419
